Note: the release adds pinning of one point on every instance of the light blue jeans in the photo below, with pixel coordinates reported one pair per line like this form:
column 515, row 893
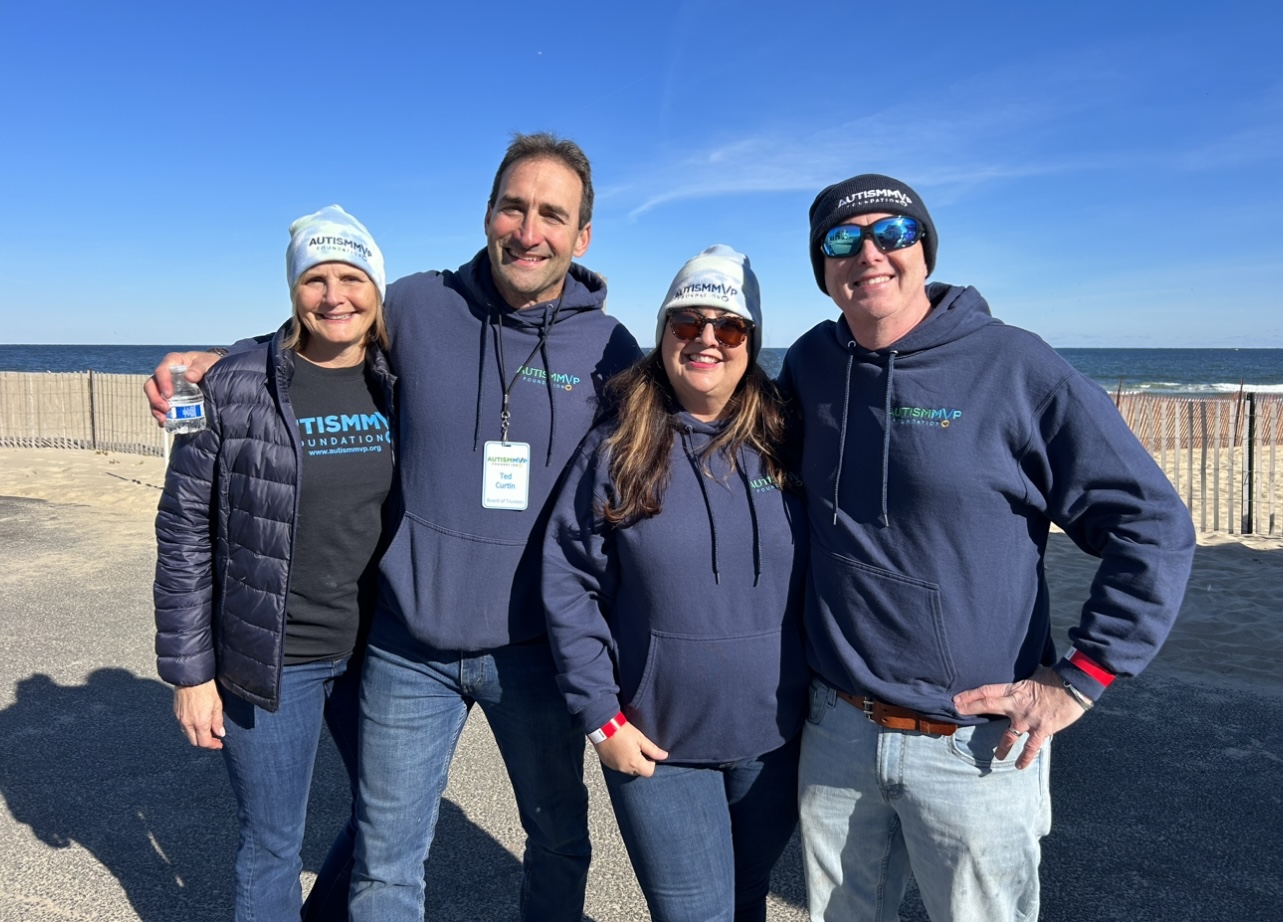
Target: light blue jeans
column 270, row 757
column 877, row 804
column 413, row 706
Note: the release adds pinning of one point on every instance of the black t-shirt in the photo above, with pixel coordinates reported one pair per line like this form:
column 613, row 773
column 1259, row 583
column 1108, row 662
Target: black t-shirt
column 347, row 471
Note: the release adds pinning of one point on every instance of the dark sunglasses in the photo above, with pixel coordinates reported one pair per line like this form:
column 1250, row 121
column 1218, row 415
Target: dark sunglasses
column 728, row 329
column 894, row 233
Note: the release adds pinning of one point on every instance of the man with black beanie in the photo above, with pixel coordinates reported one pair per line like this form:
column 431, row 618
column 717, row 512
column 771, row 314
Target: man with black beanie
column 938, row 446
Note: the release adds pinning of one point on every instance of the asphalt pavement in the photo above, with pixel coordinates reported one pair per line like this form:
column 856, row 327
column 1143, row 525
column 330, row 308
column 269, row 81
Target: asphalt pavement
column 1168, row 796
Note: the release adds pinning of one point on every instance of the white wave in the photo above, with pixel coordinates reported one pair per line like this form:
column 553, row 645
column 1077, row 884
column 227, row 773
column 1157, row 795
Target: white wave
column 1176, row 387
column 1235, row 388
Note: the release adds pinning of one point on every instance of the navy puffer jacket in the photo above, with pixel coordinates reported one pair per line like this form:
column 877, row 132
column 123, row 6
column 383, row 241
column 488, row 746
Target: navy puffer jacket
column 225, row 528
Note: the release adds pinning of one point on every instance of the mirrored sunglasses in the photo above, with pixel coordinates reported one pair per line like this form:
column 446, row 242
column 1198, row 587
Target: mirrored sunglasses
column 894, row 233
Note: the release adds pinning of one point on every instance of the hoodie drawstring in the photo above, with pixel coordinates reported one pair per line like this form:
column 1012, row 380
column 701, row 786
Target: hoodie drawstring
column 884, row 517
column 886, row 437
column 541, row 348
column 752, row 514
column 552, row 404
column 481, row 386
column 703, row 489
column 846, row 406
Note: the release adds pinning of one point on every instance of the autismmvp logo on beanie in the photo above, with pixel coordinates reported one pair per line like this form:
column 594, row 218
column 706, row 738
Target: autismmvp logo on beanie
column 340, row 244
column 721, row 290
column 891, row 196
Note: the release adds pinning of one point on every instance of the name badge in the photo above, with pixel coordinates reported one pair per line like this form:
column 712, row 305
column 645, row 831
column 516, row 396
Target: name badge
column 505, row 477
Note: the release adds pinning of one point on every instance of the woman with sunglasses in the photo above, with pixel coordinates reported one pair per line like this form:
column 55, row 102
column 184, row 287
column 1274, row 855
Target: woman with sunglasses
column 674, row 569
column 268, row 536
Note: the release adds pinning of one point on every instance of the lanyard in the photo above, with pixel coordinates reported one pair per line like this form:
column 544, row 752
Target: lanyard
column 505, row 416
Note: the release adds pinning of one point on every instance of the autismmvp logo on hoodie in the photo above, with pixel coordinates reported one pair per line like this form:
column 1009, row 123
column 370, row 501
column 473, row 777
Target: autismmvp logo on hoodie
column 925, row 416
column 539, row 376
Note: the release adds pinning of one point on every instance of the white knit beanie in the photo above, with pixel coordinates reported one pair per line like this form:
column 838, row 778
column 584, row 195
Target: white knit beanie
column 719, row 278
column 333, row 235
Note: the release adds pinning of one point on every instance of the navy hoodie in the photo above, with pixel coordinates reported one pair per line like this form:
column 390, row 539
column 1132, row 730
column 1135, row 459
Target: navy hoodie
column 689, row 621
column 933, row 470
column 457, row 575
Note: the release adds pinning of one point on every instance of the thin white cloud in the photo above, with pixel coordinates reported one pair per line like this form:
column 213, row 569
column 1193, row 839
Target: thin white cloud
column 791, row 161
column 1058, row 115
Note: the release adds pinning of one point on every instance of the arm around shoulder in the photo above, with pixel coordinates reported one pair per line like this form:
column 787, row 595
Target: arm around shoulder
column 159, row 388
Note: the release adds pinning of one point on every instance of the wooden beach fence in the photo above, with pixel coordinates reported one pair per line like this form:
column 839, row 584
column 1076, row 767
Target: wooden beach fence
column 1221, row 453
column 77, row 410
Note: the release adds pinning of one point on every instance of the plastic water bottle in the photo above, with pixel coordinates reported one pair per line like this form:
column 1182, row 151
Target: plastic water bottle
column 186, row 406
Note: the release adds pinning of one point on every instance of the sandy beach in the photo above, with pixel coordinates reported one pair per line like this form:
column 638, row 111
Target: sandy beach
column 108, row 816
column 100, row 479
column 1230, row 629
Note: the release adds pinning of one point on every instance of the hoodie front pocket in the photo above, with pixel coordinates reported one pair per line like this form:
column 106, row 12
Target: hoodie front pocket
column 450, row 588
column 894, row 623
column 717, row 698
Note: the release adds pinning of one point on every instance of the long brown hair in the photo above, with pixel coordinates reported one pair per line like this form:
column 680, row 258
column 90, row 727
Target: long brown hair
column 638, row 450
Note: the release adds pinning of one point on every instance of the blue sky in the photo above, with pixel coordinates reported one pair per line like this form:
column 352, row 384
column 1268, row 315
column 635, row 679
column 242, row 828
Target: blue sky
column 1106, row 174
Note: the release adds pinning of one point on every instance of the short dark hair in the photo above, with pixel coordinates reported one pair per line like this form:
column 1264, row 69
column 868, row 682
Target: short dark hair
column 547, row 146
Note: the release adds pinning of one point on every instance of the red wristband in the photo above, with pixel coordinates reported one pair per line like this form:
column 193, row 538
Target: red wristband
column 1080, row 660
column 607, row 729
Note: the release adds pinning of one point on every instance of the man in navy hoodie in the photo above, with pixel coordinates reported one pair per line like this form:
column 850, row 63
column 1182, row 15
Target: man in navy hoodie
column 498, row 367
column 938, row 446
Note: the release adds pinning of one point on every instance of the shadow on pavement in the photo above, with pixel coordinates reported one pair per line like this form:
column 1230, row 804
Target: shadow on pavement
column 103, row 765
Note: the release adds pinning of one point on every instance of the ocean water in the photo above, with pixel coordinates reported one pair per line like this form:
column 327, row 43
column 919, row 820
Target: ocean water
column 115, row 360
column 1159, row 371
column 1185, row 372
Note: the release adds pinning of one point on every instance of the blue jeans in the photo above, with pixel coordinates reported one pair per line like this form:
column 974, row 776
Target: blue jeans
column 269, row 759
column 877, row 804
column 703, row 838
column 413, row 707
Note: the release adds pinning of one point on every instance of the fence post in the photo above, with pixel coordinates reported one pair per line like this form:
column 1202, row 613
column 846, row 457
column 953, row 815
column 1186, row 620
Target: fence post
column 1189, row 459
column 1216, row 473
column 1202, row 412
column 1276, row 410
column 32, row 413
column 1162, row 435
column 1249, row 469
column 93, row 414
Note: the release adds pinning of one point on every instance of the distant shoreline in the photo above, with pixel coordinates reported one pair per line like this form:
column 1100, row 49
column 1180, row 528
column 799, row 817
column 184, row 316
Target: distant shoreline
column 1174, row 371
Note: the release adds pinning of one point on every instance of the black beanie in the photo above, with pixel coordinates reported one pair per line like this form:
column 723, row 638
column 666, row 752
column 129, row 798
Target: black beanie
column 868, row 193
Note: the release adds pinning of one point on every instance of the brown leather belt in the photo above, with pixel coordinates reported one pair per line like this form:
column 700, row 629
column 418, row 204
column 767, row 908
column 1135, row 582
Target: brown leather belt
column 897, row 718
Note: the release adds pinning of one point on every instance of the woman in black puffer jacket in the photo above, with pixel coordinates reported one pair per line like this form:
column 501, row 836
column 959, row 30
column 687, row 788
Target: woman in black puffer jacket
column 268, row 536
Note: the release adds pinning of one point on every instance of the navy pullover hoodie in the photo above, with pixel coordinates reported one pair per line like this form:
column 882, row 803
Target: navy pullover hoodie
column 933, row 470
column 689, row 621
column 457, row 575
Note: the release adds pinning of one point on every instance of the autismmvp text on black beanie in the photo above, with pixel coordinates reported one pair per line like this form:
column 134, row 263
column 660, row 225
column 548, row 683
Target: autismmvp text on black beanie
column 868, row 193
